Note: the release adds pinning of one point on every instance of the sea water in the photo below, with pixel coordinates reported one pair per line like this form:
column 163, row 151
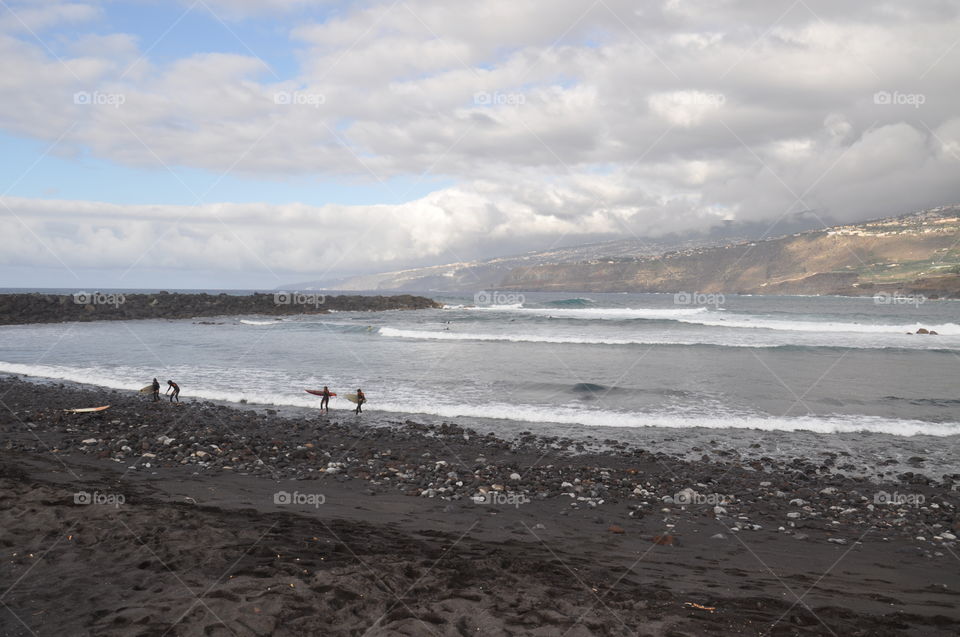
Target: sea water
column 798, row 374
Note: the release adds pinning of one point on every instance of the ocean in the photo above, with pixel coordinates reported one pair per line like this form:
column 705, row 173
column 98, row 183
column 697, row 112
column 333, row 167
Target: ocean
column 786, row 374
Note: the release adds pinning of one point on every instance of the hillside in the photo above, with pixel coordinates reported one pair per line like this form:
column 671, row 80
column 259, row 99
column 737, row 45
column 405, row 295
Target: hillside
column 915, row 253
column 489, row 273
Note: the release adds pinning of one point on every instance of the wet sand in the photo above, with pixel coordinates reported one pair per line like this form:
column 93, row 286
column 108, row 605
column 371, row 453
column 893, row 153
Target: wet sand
column 152, row 519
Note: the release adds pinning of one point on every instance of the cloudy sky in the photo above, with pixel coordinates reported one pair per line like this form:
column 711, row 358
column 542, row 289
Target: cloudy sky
column 251, row 143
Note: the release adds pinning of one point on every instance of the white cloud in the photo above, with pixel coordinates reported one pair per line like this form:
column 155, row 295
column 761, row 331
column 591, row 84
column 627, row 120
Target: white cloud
column 35, row 17
column 551, row 119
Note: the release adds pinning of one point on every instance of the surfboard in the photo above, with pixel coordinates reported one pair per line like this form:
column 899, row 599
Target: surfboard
column 353, row 398
column 87, row 410
column 147, row 390
column 317, row 392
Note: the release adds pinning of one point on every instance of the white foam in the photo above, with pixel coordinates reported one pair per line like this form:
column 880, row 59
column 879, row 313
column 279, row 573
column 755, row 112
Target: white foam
column 748, row 322
column 605, row 418
column 836, row 339
column 599, row 313
column 247, row 322
column 512, row 338
column 720, row 318
column 498, row 308
column 77, row 375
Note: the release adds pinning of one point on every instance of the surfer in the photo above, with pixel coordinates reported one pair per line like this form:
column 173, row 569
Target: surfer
column 156, row 390
column 360, row 400
column 325, row 400
column 176, row 390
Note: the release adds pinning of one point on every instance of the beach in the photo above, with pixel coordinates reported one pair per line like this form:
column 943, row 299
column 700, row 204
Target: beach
column 153, row 518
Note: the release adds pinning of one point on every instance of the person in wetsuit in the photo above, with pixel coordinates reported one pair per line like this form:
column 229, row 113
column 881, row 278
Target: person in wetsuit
column 176, row 390
column 156, row 390
column 325, row 400
column 360, row 400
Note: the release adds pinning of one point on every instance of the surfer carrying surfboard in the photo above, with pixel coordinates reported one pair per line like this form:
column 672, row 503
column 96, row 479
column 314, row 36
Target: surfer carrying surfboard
column 176, row 390
column 325, row 399
column 360, row 400
column 156, row 390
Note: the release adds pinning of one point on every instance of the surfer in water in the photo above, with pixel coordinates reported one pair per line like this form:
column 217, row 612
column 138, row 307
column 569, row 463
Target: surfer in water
column 360, row 400
column 176, row 390
column 156, row 390
column 325, row 400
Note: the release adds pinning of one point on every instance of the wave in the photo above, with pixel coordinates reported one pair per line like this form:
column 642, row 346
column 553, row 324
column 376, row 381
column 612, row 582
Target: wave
column 512, row 338
column 605, row 418
column 73, row 374
column 248, row 322
column 694, row 341
column 745, row 322
column 577, row 302
column 600, row 313
column 547, row 414
column 498, row 308
column 719, row 318
column 590, row 388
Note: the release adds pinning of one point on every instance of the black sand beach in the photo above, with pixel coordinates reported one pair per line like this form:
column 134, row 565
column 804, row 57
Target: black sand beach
column 152, row 519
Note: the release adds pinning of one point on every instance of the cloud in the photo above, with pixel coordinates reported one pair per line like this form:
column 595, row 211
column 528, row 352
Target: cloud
column 552, row 120
column 36, row 17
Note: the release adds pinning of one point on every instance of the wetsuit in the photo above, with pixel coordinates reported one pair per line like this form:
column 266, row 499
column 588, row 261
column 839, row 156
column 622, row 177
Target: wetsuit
column 360, row 400
column 156, row 390
column 176, row 390
column 325, row 400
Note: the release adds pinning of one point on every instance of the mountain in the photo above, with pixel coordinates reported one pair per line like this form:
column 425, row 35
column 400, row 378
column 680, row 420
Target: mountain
column 911, row 254
column 489, row 273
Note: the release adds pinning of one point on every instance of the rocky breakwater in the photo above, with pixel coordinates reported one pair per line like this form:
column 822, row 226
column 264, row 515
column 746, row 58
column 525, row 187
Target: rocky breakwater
column 97, row 306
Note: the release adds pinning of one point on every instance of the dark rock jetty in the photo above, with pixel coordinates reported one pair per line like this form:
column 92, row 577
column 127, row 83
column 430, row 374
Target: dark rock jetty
column 113, row 306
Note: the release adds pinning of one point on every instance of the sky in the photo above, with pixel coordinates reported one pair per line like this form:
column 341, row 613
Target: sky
column 253, row 143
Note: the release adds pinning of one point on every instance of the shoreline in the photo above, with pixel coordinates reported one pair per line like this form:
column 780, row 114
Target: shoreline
column 509, row 534
column 875, row 456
